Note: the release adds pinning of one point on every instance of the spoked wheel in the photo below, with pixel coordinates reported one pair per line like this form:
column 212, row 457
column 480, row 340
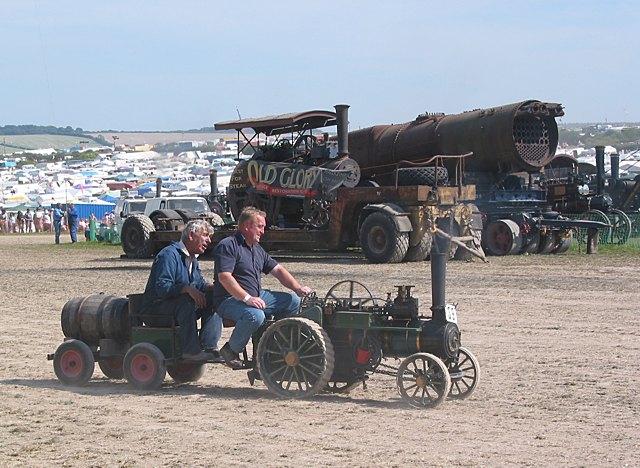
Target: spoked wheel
column 594, row 215
column 111, row 367
column 295, row 358
column 182, row 372
column 73, row 362
column 144, row 366
column 423, row 380
column 350, row 293
column 620, row 227
column 465, row 374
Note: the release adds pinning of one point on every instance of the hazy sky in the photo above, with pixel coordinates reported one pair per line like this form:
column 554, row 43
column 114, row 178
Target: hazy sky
column 161, row 65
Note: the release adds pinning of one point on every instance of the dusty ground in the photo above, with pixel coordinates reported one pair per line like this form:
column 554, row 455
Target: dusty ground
column 557, row 338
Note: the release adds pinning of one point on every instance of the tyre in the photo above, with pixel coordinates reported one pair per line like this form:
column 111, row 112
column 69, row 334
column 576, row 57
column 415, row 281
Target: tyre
column 144, row 366
column 182, row 372
column 112, row 367
column 73, row 363
column 295, row 358
column 381, row 241
column 423, row 176
column 136, row 235
column 423, row 380
column 419, row 253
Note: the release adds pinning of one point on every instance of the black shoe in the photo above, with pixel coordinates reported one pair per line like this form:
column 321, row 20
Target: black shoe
column 231, row 359
column 216, row 358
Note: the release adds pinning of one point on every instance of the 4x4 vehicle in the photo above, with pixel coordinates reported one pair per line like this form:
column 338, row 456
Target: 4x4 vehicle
column 125, row 207
column 144, row 234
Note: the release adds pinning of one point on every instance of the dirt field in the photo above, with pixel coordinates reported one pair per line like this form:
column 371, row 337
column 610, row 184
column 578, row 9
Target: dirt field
column 557, row 338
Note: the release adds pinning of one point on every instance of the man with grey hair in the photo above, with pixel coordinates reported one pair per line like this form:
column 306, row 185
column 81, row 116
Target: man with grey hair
column 176, row 290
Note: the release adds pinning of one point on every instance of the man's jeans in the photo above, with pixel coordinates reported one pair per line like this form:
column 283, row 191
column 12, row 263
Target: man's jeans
column 248, row 319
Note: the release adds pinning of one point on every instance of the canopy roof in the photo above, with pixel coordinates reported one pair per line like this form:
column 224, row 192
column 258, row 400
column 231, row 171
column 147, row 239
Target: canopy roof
column 283, row 123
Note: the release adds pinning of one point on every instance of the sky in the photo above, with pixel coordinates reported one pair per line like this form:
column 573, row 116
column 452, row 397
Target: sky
column 170, row 65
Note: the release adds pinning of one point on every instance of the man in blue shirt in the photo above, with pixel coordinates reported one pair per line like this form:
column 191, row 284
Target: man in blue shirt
column 239, row 263
column 57, row 221
column 72, row 222
column 177, row 290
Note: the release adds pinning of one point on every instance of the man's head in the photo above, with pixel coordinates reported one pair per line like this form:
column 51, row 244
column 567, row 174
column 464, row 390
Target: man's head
column 251, row 224
column 196, row 236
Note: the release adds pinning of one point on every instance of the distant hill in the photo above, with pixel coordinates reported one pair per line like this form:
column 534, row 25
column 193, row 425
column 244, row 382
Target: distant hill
column 152, row 138
column 13, row 143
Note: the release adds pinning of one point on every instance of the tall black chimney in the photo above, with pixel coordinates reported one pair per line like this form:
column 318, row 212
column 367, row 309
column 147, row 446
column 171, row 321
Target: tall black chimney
column 342, row 116
column 615, row 167
column 599, row 170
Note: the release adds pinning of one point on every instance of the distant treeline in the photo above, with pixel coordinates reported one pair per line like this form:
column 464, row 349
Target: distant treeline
column 47, row 130
column 627, row 138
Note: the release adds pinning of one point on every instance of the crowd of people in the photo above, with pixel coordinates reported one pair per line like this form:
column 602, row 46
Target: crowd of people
column 48, row 220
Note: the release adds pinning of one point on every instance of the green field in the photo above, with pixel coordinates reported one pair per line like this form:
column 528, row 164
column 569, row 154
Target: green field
column 11, row 143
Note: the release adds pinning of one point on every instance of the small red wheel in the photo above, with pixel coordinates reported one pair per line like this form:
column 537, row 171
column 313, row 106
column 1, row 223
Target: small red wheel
column 144, row 366
column 73, row 363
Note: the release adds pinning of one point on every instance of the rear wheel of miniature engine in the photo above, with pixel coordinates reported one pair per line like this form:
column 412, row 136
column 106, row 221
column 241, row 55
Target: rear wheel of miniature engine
column 419, row 252
column 144, row 366
column 502, row 237
column 111, row 367
column 423, row 380
column 381, row 241
column 422, row 176
column 136, row 235
column 295, row 358
column 73, row 363
column 464, row 374
column 182, row 372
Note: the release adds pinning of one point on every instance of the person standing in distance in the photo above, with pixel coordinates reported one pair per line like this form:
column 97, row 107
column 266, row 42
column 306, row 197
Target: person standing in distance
column 72, row 222
column 57, row 221
column 240, row 261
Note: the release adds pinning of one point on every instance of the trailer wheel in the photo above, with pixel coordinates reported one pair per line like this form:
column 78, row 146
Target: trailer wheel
column 111, row 367
column 381, row 241
column 419, row 253
column 464, row 375
column 144, row 366
column 73, row 363
column 620, row 226
column 423, row 380
column 563, row 242
column 295, row 358
column 502, row 237
column 182, row 372
column 136, row 234
column 423, row 176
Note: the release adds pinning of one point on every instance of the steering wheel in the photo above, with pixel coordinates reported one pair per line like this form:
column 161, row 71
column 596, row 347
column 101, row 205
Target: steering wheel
column 309, row 142
column 353, row 293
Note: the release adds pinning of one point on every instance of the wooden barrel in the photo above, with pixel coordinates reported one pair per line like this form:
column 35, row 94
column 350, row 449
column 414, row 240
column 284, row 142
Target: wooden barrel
column 94, row 317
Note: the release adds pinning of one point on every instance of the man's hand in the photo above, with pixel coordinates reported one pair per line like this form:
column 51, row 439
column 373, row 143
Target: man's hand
column 256, row 302
column 197, row 296
column 303, row 291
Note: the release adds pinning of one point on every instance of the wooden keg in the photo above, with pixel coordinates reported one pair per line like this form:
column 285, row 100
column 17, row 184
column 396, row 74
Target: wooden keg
column 94, row 317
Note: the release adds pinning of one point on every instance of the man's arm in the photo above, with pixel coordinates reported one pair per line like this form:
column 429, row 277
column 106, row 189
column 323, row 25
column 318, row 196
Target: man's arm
column 233, row 287
column 288, row 281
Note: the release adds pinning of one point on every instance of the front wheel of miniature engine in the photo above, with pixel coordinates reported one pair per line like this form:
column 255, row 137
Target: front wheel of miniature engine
column 144, row 366
column 465, row 374
column 295, row 358
column 111, row 367
column 423, row 380
column 73, row 363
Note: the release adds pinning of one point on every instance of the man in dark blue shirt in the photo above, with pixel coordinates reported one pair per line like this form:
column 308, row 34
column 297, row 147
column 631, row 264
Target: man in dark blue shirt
column 176, row 289
column 72, row 222
column 239, row 263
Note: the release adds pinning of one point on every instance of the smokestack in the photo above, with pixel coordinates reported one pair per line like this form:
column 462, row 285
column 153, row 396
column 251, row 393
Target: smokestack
column 615, row 167
column 213, row 182
column 438, row 260
column 158, row 187
column 599, row 170
column 342, row 116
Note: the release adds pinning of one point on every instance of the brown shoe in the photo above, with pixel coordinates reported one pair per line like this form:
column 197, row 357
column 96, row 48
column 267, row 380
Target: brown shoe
column 231, row 359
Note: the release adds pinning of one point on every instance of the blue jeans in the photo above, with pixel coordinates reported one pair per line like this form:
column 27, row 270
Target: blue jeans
column 57, row 226
column 210, row 331
column 248, row 319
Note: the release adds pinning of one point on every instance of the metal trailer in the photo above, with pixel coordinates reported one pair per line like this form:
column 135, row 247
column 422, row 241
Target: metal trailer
column 519, row 138
column 334, row 344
